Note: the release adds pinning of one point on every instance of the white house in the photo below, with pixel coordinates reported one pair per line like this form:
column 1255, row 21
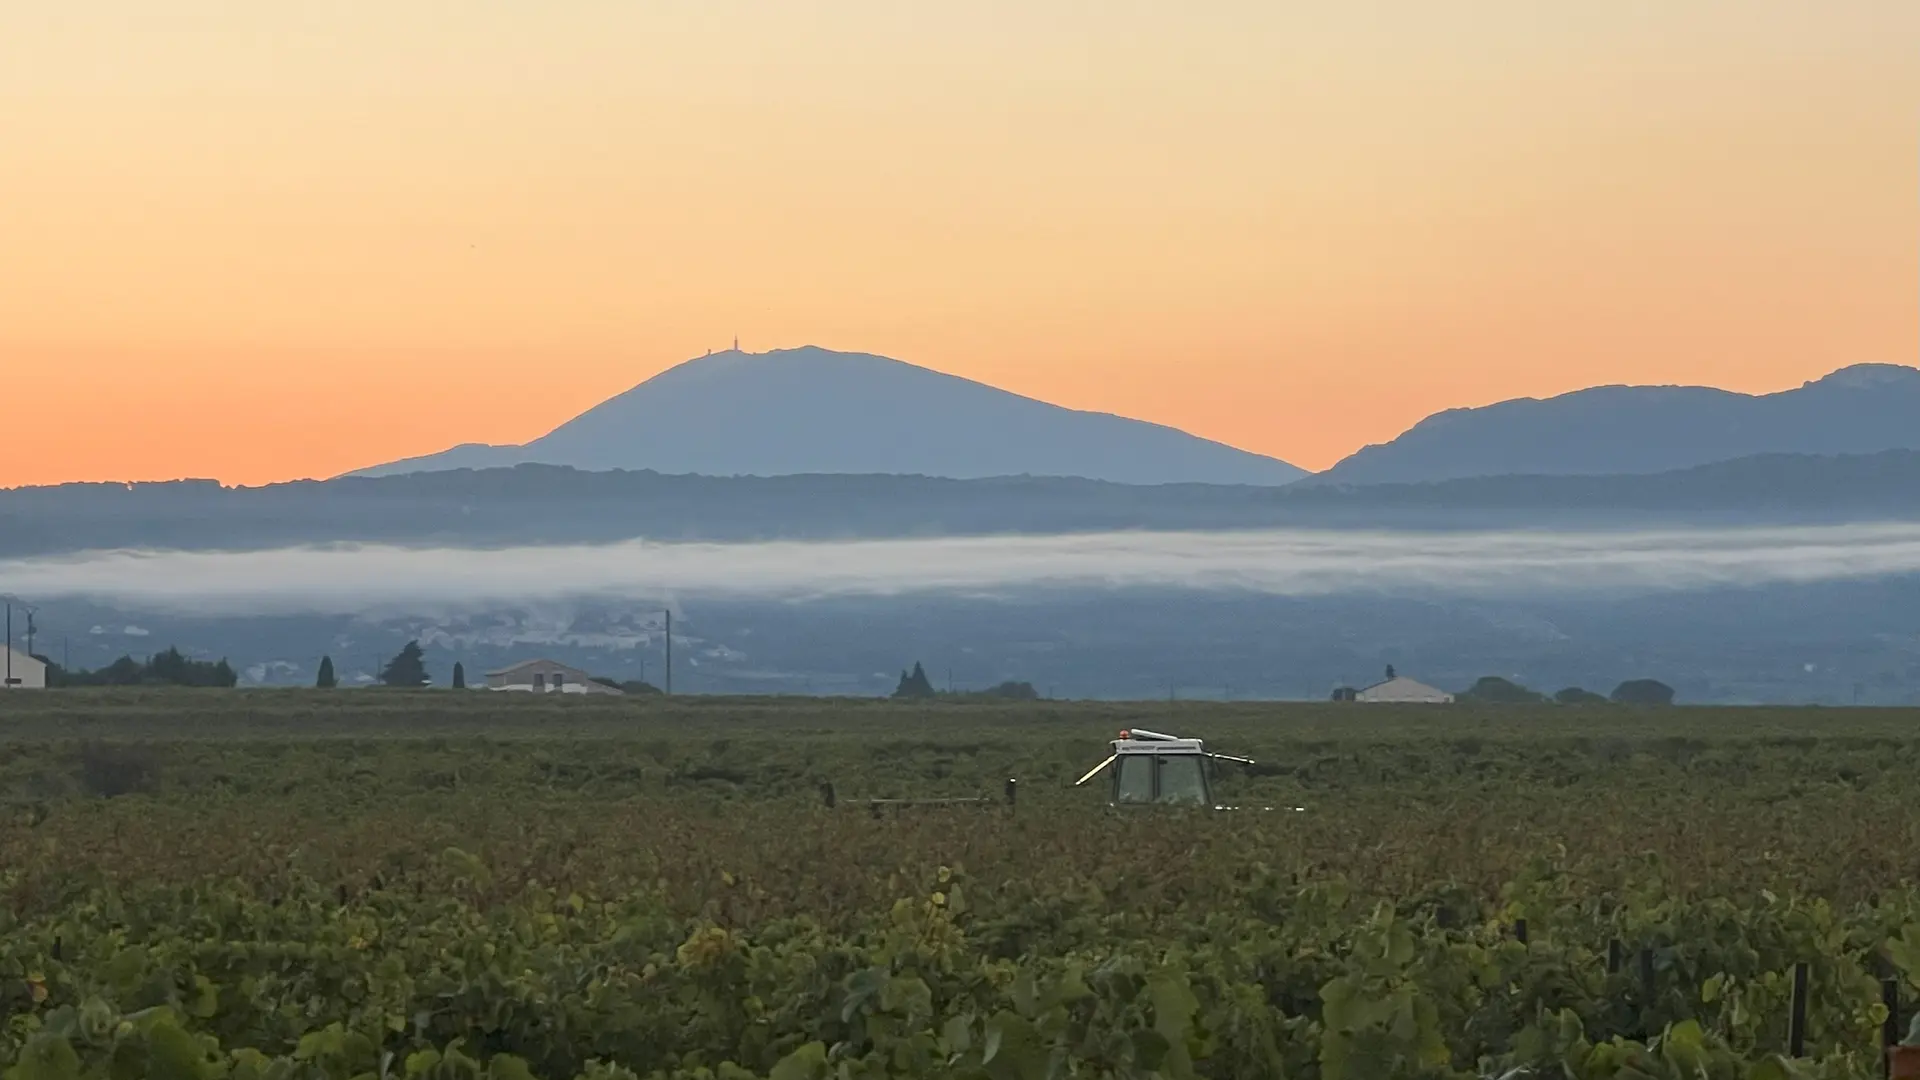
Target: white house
column 546, row 677
column 18, row 671
column 1400, row 690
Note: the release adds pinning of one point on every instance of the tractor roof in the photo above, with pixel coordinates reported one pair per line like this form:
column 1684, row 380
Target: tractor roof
column 1158, row 746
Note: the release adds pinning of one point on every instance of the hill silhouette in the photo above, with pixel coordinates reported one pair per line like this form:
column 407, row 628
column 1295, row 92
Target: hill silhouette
column 1864, row 409
column 815, row 411
column 546, row 504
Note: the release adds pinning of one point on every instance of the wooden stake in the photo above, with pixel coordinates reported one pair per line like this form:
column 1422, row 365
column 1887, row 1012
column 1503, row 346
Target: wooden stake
column 1797, row 1023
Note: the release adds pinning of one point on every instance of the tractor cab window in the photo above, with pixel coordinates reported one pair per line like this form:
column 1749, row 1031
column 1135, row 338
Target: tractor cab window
column 1134, row 781
column 1181, row 780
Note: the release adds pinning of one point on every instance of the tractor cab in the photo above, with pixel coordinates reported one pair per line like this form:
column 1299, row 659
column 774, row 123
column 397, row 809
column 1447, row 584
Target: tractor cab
column 1148, row 768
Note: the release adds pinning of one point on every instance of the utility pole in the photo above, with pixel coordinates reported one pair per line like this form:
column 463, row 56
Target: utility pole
column 9, row 676
column 669, row 678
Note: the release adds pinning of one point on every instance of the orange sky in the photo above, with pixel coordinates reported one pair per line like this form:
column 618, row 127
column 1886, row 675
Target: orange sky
column 262, row 241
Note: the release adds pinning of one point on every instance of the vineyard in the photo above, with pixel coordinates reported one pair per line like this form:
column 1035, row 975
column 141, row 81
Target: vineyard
column 398, row 884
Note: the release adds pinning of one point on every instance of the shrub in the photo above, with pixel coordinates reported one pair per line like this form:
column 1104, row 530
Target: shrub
column 1643, row 692
column 1494, row 690
column 1573, row 695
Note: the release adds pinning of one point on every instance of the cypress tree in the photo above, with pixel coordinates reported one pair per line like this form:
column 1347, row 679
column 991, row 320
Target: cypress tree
column 406, row 669
column 459, row 675
column 914, row 684
column 326, row 681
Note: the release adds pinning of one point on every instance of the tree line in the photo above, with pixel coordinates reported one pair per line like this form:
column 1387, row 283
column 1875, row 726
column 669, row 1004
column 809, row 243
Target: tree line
column 1493, row 690
column 169, row 668
column 915, row 684
column 408, row 670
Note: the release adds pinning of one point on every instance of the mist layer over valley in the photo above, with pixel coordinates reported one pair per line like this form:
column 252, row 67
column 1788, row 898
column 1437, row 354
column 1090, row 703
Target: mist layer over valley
column 1793, row 614
column 350, row 579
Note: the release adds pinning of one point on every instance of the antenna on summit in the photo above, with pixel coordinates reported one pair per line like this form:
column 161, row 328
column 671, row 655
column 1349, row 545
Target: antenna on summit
column 736, row 343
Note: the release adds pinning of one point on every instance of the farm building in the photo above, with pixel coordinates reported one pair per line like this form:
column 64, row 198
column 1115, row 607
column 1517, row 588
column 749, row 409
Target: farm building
column 546, row 677
column 1400, row 690
column 1396, row 690
column 19, row 671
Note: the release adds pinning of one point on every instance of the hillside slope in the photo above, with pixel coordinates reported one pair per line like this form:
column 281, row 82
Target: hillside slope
column 1648, row 429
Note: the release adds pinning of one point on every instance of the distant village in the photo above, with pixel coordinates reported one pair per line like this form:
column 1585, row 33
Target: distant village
column 24, row 670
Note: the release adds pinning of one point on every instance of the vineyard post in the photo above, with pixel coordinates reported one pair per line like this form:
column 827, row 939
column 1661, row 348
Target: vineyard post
column 1890, row 1027
column 1797, row 1022
column 1646, row 990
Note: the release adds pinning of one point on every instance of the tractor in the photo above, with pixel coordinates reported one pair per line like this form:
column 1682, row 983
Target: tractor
column 1152, row 769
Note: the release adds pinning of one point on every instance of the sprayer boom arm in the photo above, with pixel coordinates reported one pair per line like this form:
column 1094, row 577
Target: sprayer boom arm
column 1095, row 771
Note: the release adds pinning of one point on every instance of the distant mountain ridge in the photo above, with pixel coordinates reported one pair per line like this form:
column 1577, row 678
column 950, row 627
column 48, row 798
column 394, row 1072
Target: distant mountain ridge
column 544, row 504
column 815, row 411
column 1611, row 430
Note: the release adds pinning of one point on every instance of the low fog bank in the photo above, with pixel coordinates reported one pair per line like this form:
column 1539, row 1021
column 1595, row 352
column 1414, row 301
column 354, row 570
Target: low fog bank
column 1297, row 563
column 1833, row 642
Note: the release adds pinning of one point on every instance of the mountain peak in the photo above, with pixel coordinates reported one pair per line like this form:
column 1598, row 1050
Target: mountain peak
column 815, row 410
column 1870, row 377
